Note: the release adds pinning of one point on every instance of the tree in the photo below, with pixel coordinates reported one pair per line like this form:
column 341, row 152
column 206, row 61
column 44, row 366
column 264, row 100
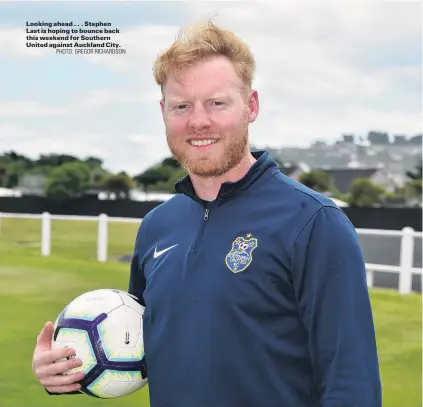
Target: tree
column 68, row 181
column 55, row 159
column 94, row 162
column 417, row 174
column 416, row 187
column 364, row 192
column 171, row 162
column 2, row 176
column 13, row 171
column 413, row 188
column 168, row 186
column 120, row 183
column 13, row 157
column 317, row 180
column 154, row 175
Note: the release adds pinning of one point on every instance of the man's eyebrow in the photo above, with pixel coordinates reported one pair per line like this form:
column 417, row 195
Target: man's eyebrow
column 175, row 100
column 219, row 96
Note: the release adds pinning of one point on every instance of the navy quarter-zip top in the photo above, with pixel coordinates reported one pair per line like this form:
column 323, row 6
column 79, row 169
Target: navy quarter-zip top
column 256, row 299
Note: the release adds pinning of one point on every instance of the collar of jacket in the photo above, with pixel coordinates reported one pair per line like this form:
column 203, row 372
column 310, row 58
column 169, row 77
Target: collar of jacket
column 230, row 189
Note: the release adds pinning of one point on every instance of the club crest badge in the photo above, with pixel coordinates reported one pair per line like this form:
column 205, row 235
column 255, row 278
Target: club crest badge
column 241, row 254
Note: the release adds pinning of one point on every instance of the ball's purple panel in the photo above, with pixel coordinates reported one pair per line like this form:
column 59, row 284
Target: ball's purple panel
column 102, row 362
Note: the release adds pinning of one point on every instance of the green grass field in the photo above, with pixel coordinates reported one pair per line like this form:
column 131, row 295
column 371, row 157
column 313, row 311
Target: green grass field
column 34, row 289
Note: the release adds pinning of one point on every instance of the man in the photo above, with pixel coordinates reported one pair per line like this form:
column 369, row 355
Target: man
column 254, row 285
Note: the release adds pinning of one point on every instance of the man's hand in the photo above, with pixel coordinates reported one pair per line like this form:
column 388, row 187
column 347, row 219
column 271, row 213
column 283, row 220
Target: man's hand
column 49, row 364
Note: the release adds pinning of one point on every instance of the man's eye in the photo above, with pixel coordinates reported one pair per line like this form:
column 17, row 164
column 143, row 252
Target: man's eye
column 182, row 106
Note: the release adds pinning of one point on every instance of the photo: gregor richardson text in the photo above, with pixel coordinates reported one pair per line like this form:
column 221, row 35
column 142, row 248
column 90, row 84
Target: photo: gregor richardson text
column 69, row 37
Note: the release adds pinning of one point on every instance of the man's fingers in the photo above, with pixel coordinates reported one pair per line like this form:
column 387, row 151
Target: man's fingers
column 51, row 356
column 58, row 368
column 44, row 338
column 49, row 364
column 64, row 388
column 62, row 380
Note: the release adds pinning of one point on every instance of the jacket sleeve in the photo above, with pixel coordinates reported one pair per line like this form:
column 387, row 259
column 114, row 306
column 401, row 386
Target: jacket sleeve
column 65, row 394
column 329, row 280
column 137, row 282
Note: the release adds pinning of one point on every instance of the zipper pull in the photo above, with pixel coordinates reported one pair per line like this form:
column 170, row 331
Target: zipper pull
column 206, row 214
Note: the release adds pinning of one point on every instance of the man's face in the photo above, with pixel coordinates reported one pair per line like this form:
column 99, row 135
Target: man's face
column 206, row 114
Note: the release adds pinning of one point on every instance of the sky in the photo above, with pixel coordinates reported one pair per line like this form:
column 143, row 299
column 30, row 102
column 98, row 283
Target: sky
column 324, row 68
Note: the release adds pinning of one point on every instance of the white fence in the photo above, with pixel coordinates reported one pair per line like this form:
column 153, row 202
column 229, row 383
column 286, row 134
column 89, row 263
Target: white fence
column 405, row 268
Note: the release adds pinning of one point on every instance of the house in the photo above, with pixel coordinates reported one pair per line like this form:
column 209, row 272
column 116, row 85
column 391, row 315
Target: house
column 343, row 178
column 32, row 184
column 293, row 170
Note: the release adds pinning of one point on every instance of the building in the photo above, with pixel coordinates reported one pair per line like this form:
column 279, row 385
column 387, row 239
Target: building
column 343, row 178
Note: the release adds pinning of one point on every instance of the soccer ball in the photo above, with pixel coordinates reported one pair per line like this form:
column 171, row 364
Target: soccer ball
column 105, row 329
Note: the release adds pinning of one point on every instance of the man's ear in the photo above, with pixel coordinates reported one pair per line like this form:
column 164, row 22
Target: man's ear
column 162, row 106
column 253, row 106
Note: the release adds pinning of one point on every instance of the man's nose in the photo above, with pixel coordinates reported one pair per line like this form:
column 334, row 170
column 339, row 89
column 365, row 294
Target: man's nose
column 199, row 119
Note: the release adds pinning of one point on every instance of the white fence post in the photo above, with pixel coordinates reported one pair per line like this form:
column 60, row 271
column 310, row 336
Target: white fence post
column 406, row 260
column 102, row 238
column 45, row 234
column 370, row 278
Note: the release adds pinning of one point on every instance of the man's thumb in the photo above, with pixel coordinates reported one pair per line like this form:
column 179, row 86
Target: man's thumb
column 44, row 338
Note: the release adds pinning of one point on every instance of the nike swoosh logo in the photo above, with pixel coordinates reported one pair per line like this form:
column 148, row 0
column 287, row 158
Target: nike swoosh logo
column 157, row 254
